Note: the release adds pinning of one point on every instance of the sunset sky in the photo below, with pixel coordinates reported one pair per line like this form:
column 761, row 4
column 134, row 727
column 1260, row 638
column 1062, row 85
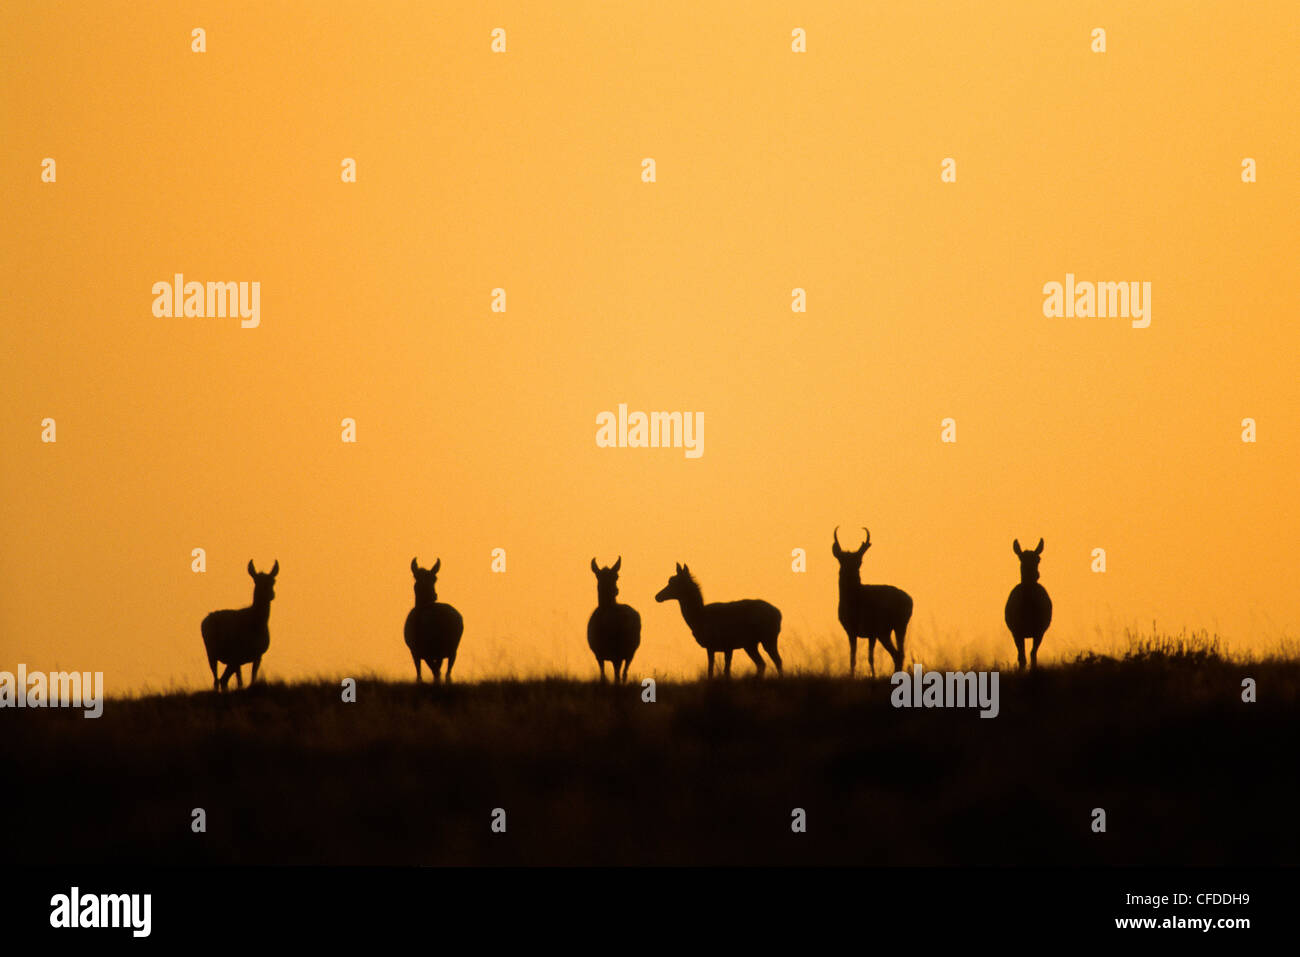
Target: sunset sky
column 523, row 170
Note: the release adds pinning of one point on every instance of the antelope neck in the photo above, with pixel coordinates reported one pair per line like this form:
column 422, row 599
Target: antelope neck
column 692, row 606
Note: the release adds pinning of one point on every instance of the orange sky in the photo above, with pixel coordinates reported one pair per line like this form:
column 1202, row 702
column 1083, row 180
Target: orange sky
column 523, row 171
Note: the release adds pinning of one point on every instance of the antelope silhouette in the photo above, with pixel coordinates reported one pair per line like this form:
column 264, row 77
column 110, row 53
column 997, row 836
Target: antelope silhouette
column 1029, row 609
column 870, row 611
column 614, row 629
column 237, row 636
column 725, row 625
column 433, row 628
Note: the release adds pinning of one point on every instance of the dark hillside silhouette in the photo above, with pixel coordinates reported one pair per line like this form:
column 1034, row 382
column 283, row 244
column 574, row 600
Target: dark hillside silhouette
column 709, row 774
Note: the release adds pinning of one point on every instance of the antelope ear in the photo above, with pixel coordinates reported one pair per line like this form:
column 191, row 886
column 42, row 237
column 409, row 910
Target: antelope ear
column 679, row 566
column 594, row 566
column 1039, row 549
column 862, row 549
column 437, row 563
column 618, row 564
column 415, row 567
column 275, row 569
column 1015, row 546
column 251, row 571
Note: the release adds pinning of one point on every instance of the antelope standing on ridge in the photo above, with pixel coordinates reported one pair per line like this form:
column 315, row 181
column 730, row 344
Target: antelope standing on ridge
column 1029, row 609
column 237, row 636
column 870, row 611
column 433, row 628
column 614, row 629
column 725, row 625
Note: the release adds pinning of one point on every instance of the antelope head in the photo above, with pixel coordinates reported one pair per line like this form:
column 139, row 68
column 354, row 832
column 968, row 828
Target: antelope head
column 263, row 582
column 424, row 581
column 606, row 579
column 1028, row 560
column 850, row 562
column 678, row 586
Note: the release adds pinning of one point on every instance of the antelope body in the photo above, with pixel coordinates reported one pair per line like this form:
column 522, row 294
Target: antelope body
column 725, row 625
column 1029, row 609
column 614, row 629
column 433, row 628
column 237, row 636
column 870, row 611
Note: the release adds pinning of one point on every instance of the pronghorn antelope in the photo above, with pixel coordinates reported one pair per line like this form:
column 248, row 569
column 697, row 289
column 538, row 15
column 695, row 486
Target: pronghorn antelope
column 614, row 629
column 870, row 611
column 433, row 628
column 725, row 625
column 237, row 636
column 1029, row 609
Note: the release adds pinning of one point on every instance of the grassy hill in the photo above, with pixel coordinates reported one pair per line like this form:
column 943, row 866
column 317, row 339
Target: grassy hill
column 709, row 773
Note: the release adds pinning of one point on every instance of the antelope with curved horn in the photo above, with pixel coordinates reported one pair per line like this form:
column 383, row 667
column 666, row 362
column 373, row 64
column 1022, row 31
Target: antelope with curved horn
column 614, row 629
column 726, row 625
column 238, row 636
column 433, row 628
column 870, row 611
column 1029, row 609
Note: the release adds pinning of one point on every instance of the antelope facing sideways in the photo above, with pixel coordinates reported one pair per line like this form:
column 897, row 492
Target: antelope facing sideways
column 433, row 628
column 237, row 636
column 870, row 611
column 1029, row 609
column 614, row 629
column 725, row 625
